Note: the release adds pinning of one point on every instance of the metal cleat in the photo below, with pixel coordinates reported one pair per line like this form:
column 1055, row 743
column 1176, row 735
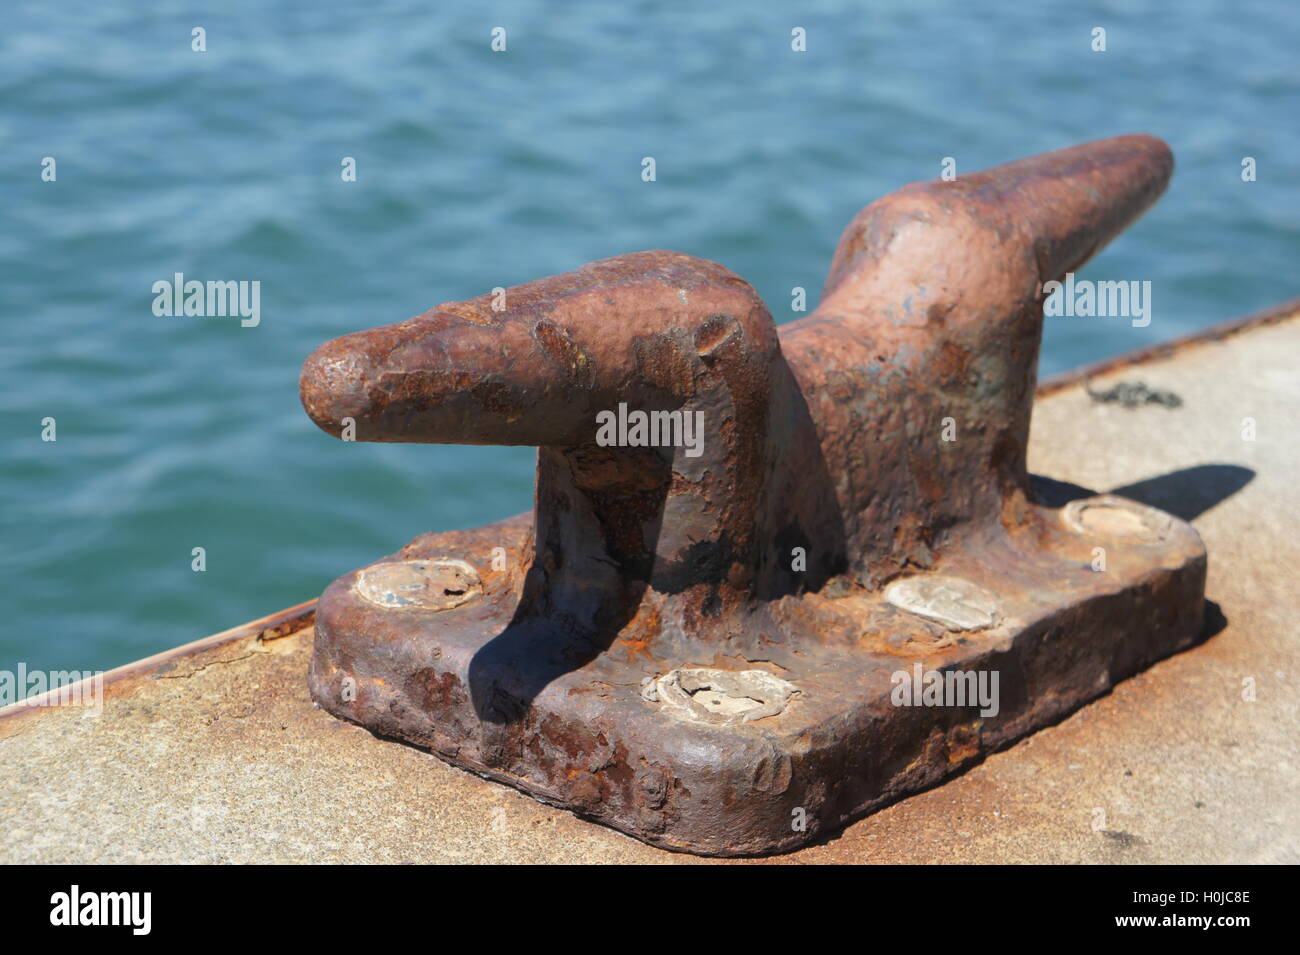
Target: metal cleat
column 753, row 548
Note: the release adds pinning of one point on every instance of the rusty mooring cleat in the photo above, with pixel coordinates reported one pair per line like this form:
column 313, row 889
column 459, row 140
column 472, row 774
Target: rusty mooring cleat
column 750, row 547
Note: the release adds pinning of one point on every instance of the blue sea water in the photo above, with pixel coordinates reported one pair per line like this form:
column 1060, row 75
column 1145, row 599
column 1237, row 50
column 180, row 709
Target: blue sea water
column 477, row 169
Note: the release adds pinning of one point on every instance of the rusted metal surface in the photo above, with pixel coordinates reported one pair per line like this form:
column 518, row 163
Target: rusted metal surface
column 698, row 644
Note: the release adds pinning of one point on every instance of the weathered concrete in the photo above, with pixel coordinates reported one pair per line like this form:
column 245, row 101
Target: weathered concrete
column 215, row 752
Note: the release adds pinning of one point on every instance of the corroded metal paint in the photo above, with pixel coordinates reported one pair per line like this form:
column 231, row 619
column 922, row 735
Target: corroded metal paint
column 823, row 477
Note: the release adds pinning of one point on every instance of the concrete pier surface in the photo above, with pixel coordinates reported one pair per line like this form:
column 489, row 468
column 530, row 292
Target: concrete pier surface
column 214, row 752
